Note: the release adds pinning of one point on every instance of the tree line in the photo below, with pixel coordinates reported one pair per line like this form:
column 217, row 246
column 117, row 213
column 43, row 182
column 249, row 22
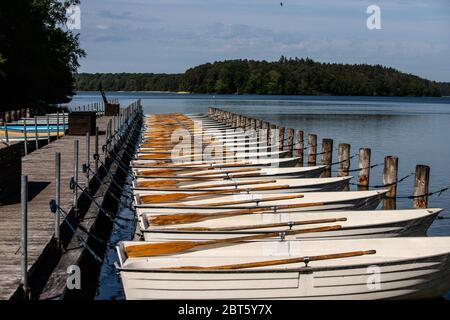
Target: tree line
column 287, row 76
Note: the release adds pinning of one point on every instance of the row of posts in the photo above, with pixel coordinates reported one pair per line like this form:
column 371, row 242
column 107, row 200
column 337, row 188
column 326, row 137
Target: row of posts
column 14, row 115
column 293, row 141
column 29, row 123
column 116, row 125
column 97, row 107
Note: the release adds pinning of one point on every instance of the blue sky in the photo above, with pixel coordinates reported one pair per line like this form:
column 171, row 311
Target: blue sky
column 173, row 35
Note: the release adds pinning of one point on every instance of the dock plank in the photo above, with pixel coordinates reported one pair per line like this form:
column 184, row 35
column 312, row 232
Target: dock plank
column 40, row 168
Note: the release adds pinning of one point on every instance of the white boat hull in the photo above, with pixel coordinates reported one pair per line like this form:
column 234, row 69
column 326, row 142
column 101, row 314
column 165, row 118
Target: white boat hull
column 401, row 268
column 294, row 185
column 359, row 225
column 350, row 200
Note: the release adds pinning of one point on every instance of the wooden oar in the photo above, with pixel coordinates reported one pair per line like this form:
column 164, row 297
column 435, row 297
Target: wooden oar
column 193, row 186
column 153, row 156
column 226, row 154
column 176, row 179
column 261, row 226
column 228, row 151
column 205, row 165
column 269, row 263
column 232, row 203
column 155, row 249
column 169, row 219
column 169, row 172
column 172, row 197
column 233, row 184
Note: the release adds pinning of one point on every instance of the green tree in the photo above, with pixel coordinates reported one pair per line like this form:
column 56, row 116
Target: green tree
column 40, row 55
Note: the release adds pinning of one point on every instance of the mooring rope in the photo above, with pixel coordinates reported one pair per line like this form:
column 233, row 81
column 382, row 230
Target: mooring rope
column 342, row 161
column 437, row 192
column 387, row 184
column 365, row 168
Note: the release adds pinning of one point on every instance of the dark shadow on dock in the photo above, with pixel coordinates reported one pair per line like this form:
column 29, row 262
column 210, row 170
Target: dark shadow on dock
column 34, row 188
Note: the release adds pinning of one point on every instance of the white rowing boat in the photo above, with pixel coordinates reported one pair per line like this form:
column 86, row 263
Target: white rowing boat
column 227, row 173
column 274, row 163
column 383, row 268
column 271, row 186
column 228, row 156
column 205, row 140
column 226, row 148
column 355, row 225
column 222, row 143
column 350, row 200
column 202, row 129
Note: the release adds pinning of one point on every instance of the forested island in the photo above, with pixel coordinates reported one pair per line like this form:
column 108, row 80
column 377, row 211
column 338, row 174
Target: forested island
column 287, row 76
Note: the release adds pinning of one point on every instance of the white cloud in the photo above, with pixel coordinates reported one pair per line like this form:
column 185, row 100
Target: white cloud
column 173, row 35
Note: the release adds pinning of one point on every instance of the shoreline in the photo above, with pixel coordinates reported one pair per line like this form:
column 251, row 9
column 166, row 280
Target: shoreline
column 267, row 96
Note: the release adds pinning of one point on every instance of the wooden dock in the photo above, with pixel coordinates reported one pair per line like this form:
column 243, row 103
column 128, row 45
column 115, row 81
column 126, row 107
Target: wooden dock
column 40, row 168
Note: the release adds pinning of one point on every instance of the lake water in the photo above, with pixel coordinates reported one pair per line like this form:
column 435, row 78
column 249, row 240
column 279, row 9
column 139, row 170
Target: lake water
column 416, row 130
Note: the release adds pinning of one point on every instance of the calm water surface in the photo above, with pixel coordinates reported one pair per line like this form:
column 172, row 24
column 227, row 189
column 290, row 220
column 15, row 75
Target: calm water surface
column 417, row 130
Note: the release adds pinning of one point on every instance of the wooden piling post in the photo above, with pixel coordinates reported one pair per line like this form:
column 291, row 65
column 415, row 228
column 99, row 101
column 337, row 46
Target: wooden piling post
column 343, row 160
column 364, row 168
column 248, row 123
column 242, row 122
column 280, row 138
column 421, row 181
column 271, row 135
column 24, row 234
column 312, row 149
column 258, row 124
column 57, row 198
column 288, row 140
column 298, row 147
column 265, row 133
column 390, row 174
column 327, row 157
column 253, row 124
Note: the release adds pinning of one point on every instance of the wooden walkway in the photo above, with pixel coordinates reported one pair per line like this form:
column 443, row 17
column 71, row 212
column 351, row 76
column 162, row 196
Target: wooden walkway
column 40, row 168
